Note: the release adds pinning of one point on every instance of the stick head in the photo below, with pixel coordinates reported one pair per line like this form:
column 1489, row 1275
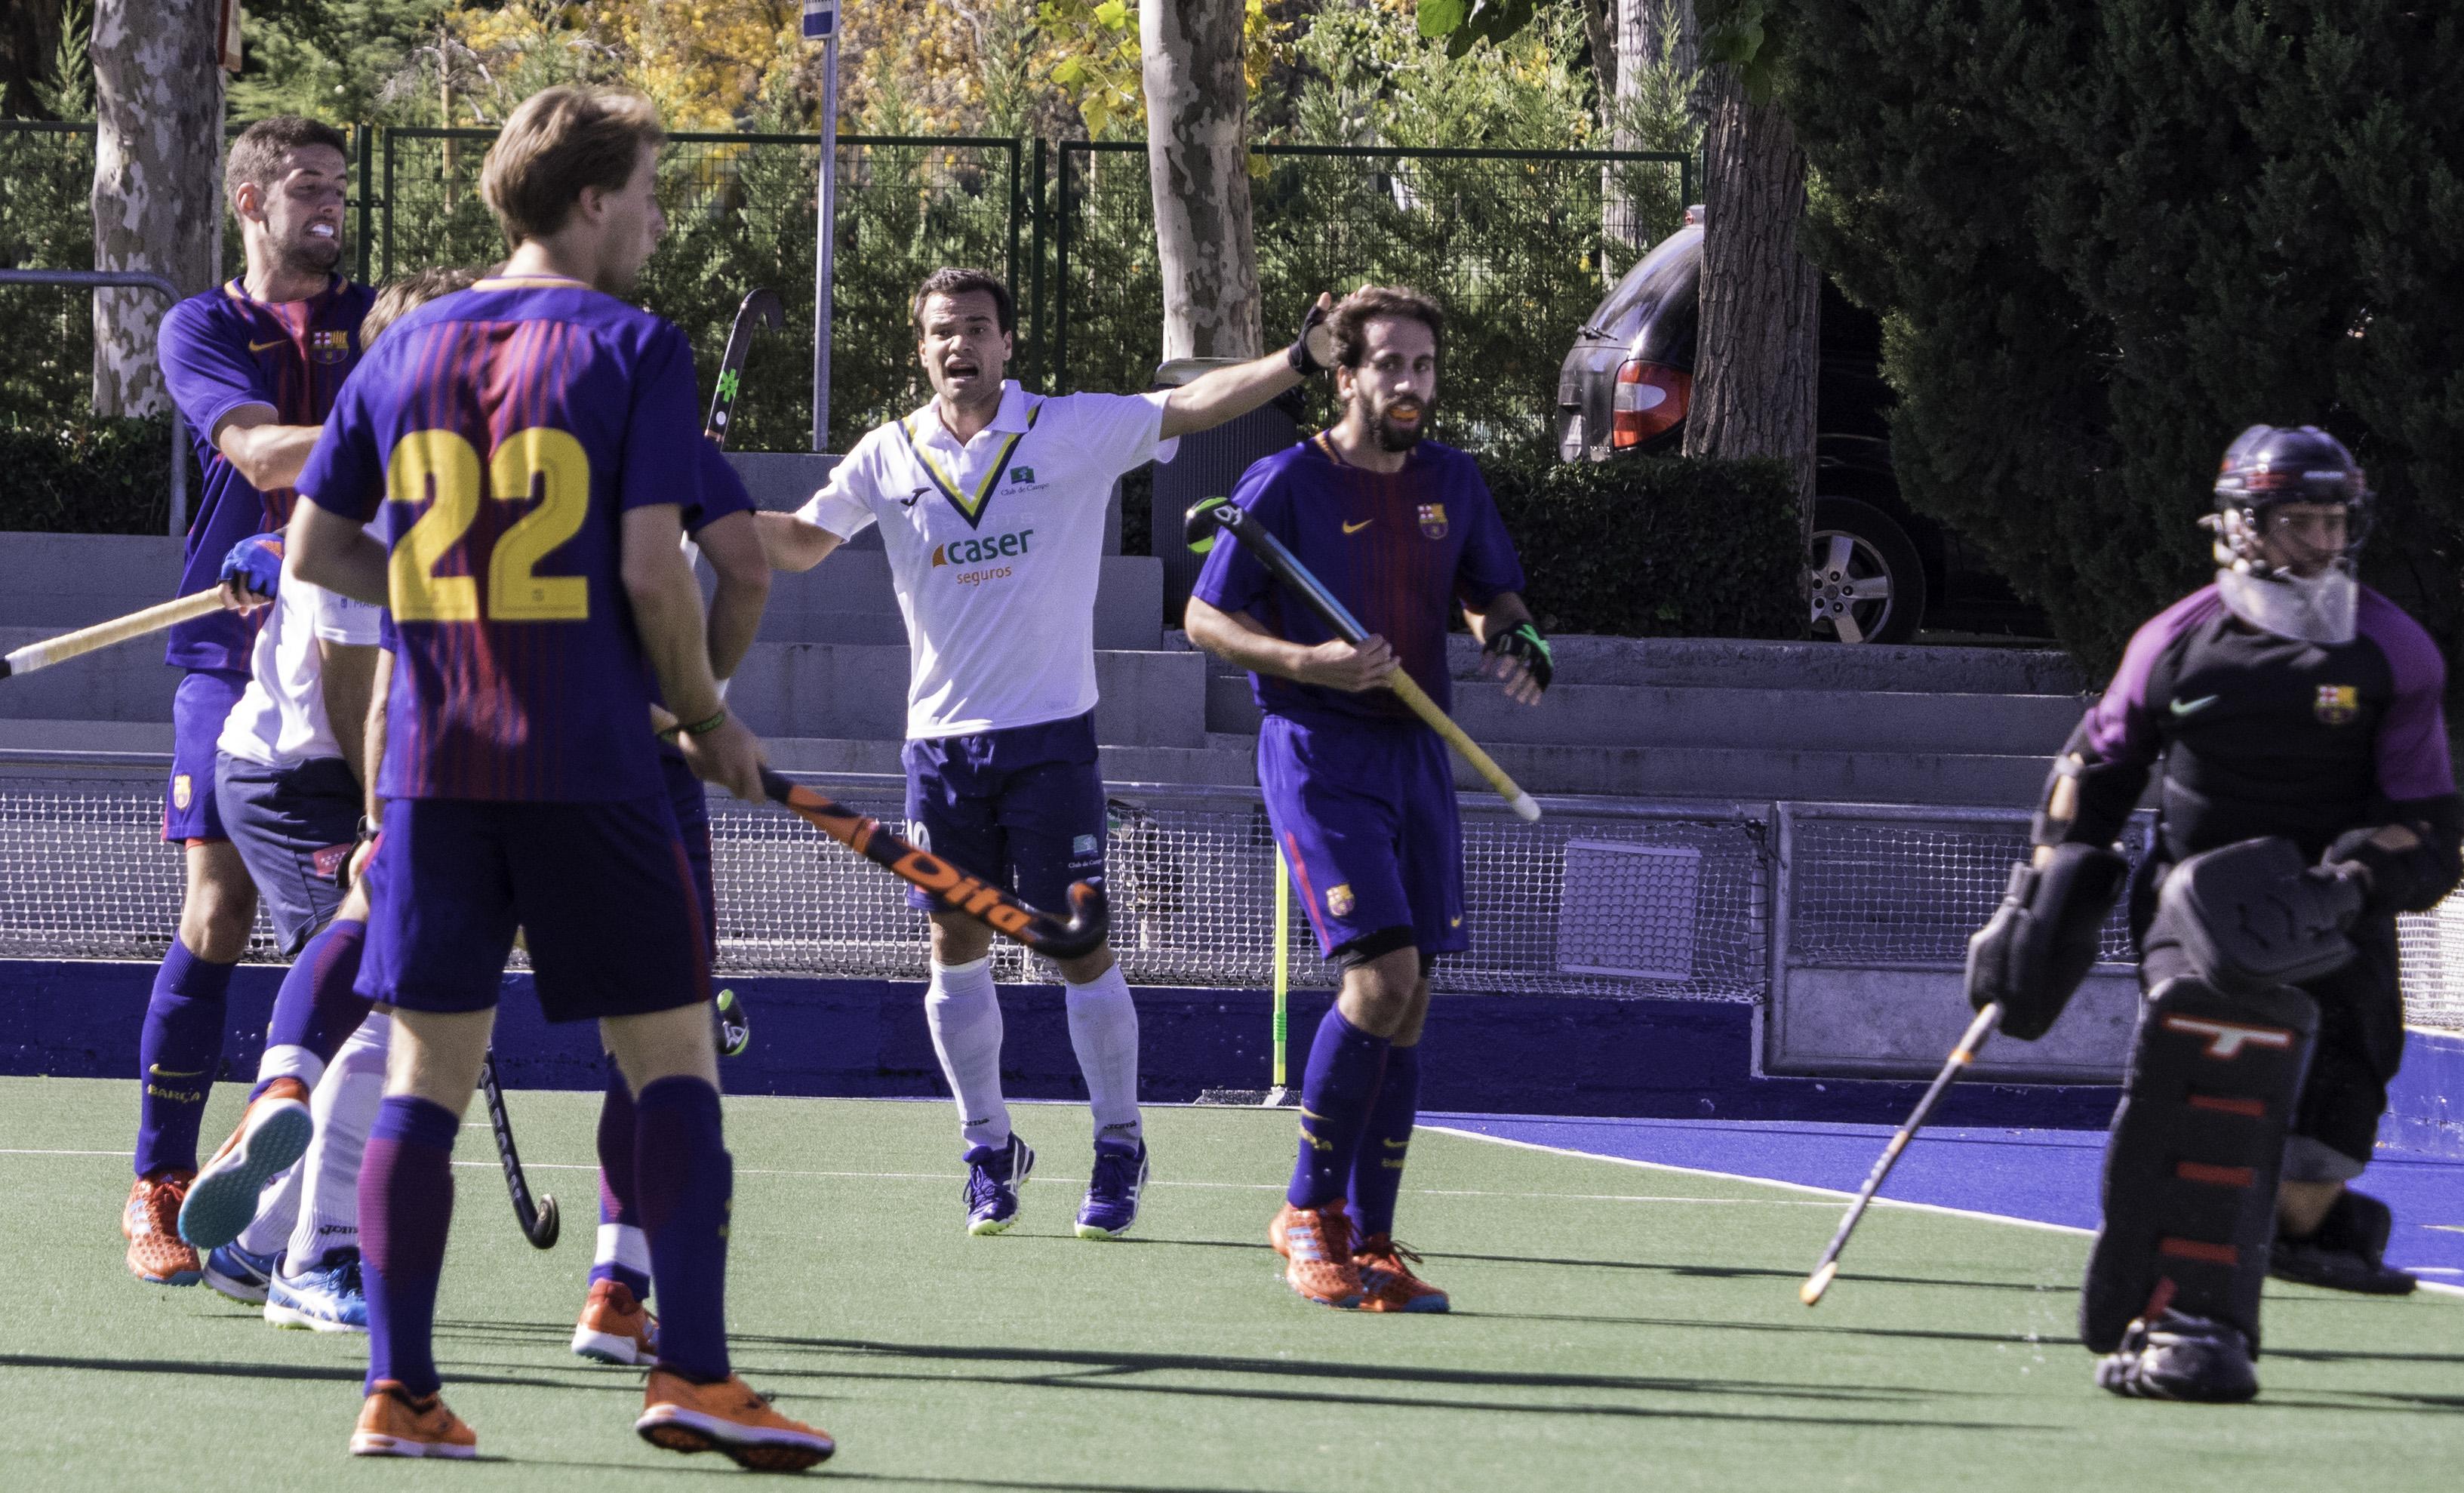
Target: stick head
column 1089, row 917
column 1208, row 518
column 1818, row 1281
column 763, row 307
column 543, row 1233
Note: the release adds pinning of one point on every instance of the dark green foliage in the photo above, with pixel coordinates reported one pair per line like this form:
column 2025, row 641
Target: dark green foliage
column 1650, row 547
column 46, row 359
column 333, row 59
column 2105, row 239
column 87, row 476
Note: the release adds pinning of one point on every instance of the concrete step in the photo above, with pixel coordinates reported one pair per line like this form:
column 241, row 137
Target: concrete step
column 846, row 691
column 58, row 582
column 1762, row 776
column 126, row 682
column 848, row 599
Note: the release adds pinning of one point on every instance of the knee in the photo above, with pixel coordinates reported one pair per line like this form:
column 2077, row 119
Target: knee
column 1384, row 996
column 219, row 909
column 959, row 939
column 1090, row 968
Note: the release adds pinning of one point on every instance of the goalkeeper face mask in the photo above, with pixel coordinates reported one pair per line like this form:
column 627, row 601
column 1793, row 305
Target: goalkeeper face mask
column 2318, row 609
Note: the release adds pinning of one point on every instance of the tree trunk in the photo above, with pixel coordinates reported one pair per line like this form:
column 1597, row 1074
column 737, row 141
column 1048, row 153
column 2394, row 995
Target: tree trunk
column 1197, row 158
column 158, row 179
column 1756, row 358
column 1641, row 32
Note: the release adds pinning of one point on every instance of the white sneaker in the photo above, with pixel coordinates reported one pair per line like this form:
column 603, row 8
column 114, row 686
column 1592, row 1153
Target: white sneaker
column 328, row 1299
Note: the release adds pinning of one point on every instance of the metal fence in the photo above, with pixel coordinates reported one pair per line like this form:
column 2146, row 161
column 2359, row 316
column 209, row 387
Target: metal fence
column 1511, row 242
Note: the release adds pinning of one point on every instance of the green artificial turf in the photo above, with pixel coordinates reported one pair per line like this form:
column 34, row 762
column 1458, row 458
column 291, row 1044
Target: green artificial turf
column 1617, row 1327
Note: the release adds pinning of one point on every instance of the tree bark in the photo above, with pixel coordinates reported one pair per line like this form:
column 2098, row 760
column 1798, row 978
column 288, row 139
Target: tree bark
column 1757, row 356
column 1197, row 158
column 157, row 179
column 1641, row 30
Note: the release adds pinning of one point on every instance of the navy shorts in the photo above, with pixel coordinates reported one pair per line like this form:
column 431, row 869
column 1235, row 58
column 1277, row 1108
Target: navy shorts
column 1021, row 810
column 602, row 892
column 293, row 828
column 199, row 706
column 1365, row 814
column 690, row 801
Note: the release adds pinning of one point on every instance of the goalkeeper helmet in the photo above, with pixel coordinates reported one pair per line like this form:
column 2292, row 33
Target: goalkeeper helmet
column 2266, row 467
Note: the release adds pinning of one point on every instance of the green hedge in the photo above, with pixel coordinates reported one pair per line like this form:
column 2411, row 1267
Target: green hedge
column 87, row 475
column 1647, row 548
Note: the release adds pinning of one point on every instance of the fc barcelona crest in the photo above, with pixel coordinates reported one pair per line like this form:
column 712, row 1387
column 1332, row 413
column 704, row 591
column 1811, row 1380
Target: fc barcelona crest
column 329, row 347
column 1433, row 520
column 1338, row 899
column 2337, row 704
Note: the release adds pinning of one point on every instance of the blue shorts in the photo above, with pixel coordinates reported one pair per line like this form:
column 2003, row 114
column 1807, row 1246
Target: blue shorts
column 601, row 893
column 294, row 828
column 690, row 801
column 1365, row 814
column 1021, row 810
column 199, row 706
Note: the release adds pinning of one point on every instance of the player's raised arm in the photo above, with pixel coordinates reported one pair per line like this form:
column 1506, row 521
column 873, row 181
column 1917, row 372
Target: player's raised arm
column 1229, row 393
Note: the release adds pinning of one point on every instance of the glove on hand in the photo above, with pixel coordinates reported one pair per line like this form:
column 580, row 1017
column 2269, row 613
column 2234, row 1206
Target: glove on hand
column 2042, row 941
column 256, row 565
column 1313, row 350
column 1523, row 641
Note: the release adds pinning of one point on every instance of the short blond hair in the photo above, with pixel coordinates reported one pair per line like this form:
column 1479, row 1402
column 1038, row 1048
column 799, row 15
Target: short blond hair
column 401, row 298
column 559, row 140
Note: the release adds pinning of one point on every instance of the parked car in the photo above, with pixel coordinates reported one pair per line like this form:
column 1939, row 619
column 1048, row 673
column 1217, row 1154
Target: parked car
column 1879, row 571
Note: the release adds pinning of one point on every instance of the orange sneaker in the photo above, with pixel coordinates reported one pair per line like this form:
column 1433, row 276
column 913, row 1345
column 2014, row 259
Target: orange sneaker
column 1387, row 1282
column 271, row 1134
column 1317, row 1242
column 151, row 1221
column 394, row 1424
column 727, row 1416
column 615, row 1328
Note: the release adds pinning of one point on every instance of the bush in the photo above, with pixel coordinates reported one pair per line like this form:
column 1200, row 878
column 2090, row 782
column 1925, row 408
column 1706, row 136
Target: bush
column 87, row 476
column 1646, row 547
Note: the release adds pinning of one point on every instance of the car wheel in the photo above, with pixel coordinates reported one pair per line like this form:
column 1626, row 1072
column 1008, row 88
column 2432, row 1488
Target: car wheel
column 1867, row 585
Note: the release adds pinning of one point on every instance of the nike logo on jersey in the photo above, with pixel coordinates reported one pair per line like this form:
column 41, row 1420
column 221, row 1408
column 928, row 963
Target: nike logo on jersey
column 262, row 347
column 2182, row 708
column 1355, row 528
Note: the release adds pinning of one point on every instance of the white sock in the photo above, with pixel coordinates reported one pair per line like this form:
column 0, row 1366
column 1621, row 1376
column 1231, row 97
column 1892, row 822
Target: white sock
column 963, row 1009
column 623, row 1244
column 1104, row 1030
column 345, row 1107
column 290, row 1059
column 277, row 1208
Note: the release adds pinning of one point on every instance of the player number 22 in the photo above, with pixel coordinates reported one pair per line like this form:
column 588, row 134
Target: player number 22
column 441, row 465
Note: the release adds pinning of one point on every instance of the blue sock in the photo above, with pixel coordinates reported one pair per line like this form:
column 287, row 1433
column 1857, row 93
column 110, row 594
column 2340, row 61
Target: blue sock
column 1377, row 1169
column 317, row 1008
column 406, row 1207
column 177, row 1054
column 1336, row 1093
column 687, row 1181
column 619, row 1192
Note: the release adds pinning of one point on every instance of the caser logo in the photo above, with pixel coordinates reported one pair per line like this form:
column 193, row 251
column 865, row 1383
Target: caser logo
column 970, row 552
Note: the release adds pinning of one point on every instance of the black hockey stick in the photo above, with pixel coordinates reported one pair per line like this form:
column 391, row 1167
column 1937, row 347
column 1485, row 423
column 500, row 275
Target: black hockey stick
column 1003, row 914
column 539, row 1222
column 760, row 309
column 1961, row 1056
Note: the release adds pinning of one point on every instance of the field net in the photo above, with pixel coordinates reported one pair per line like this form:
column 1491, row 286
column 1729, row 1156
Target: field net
column 1598, row 898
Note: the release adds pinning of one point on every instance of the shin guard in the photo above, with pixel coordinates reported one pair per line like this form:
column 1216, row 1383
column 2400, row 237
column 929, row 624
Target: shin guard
column 2190, row 1166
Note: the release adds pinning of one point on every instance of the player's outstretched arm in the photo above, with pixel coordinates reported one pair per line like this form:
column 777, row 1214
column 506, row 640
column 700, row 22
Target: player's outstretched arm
column 789, row 544
column 732, row 546
column 1229, row 393
column 666, row 612
column 1240, row 640
column 329, row 550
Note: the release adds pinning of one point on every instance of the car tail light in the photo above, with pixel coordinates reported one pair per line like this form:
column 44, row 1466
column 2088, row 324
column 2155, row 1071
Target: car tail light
column 1651, row 397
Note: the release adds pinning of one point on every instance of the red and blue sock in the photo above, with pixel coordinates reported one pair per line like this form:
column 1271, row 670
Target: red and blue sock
column 177, row 1054
column 405, row 1205
column 1378, row 1167
column 317, row 1008
column 1337, row 1091
column 620, row 1204
column 686, row 1182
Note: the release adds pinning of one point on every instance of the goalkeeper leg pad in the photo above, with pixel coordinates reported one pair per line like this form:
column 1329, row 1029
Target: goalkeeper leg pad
column 2190, row 1166
column 2348, row 1252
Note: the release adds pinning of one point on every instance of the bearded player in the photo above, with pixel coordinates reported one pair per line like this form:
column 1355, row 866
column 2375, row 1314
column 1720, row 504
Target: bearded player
column 529, row 443
column 252, row 365
column 991, row 502
column 2306, row 797
column 1402, row 529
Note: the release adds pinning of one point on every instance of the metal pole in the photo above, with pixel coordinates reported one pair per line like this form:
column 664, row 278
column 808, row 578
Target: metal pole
column 821, row 20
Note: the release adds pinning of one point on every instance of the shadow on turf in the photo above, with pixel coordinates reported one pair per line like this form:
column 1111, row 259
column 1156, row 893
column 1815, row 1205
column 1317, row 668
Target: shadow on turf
column 343, row 1373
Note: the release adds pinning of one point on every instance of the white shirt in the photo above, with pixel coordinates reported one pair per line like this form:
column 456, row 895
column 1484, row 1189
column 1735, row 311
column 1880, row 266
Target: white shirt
column 995, row 548
column 280, row 719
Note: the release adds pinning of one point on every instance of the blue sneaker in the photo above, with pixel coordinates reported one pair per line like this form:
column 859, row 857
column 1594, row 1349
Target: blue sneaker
column 994, row 1175
column 1112, row 1202
column 239, row 1274
column 328, row 1299
column 271, row 1136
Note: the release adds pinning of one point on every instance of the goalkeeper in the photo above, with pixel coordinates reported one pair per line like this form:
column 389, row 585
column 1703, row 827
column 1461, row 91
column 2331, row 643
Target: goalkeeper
column 2306, row 797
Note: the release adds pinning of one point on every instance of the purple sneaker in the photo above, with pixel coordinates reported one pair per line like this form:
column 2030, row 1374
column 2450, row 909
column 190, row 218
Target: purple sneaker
column 994, row 1175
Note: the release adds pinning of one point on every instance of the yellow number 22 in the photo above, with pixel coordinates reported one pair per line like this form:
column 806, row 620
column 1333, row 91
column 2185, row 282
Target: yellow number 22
column 440, row 465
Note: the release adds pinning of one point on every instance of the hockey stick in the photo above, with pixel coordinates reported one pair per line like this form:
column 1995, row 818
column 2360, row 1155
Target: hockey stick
column 103, row 635
column 1961, row 1056
column 760, row 308
column 1198, row 526
column 539, row 1222
column 959, row 893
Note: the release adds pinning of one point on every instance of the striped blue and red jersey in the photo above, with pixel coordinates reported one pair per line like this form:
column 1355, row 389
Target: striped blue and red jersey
column 223, row 350
column 497, row 436
column 1400, row 550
